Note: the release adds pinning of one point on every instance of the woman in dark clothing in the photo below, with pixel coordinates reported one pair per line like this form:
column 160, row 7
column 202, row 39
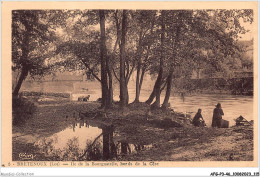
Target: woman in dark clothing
column 217, row 116
column 196, row 120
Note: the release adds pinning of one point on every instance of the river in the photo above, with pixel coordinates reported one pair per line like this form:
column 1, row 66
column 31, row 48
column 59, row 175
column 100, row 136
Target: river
column 233, row 105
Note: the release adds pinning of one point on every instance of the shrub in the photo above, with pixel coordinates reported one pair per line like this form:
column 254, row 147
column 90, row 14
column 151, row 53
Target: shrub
column 22, row 110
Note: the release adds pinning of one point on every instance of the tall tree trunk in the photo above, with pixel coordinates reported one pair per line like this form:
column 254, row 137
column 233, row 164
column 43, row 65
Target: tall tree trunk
column 141, row 80
column 152, row 95
column 25, row 68
column 139, row 84
column 110, row 68
column 165, row 104
column 127, row 94
column 103, row 59
column 138, row 69
column 168, row 90
column 137, row 87
column 106, row 147
column 111, row 95
column 22, row 77
column 110, row 83
column 157, row 86
column 123, row 87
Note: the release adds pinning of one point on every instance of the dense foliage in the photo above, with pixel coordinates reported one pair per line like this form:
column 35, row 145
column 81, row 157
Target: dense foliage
column 112, row 44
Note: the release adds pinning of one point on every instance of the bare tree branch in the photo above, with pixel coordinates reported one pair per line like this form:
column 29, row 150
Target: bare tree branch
column 115, row 74
column 130, row 73
column 127, row 68
column 142, row 77
column 165, row 83
column 91, row 70
column 117, row 26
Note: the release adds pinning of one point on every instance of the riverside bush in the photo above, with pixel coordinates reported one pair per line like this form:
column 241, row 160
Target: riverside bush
column 22, row 110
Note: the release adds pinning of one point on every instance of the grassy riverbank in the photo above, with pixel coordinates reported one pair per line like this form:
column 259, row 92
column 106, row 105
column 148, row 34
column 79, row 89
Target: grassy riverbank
column 171, row 135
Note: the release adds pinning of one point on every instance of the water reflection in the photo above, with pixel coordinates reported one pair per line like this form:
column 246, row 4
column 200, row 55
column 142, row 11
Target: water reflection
column 87, row 140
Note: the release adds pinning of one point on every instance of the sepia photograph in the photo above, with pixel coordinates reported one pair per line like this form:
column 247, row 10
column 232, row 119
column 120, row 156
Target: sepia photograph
column 112, row 86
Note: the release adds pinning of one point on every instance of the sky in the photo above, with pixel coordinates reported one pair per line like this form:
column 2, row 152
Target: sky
column 247, row 26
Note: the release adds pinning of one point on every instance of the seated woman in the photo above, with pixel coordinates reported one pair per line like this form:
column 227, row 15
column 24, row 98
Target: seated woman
column 198, row 119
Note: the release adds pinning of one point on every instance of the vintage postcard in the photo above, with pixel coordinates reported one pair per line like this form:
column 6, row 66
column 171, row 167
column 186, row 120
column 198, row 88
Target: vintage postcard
column 129, row 84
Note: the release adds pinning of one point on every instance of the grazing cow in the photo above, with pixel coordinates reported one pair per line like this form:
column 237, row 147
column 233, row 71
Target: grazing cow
column 86, row 98
column 82, row 98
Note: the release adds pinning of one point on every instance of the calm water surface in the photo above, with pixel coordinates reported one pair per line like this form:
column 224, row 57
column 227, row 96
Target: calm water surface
column 233, row 105
column 72, row 142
